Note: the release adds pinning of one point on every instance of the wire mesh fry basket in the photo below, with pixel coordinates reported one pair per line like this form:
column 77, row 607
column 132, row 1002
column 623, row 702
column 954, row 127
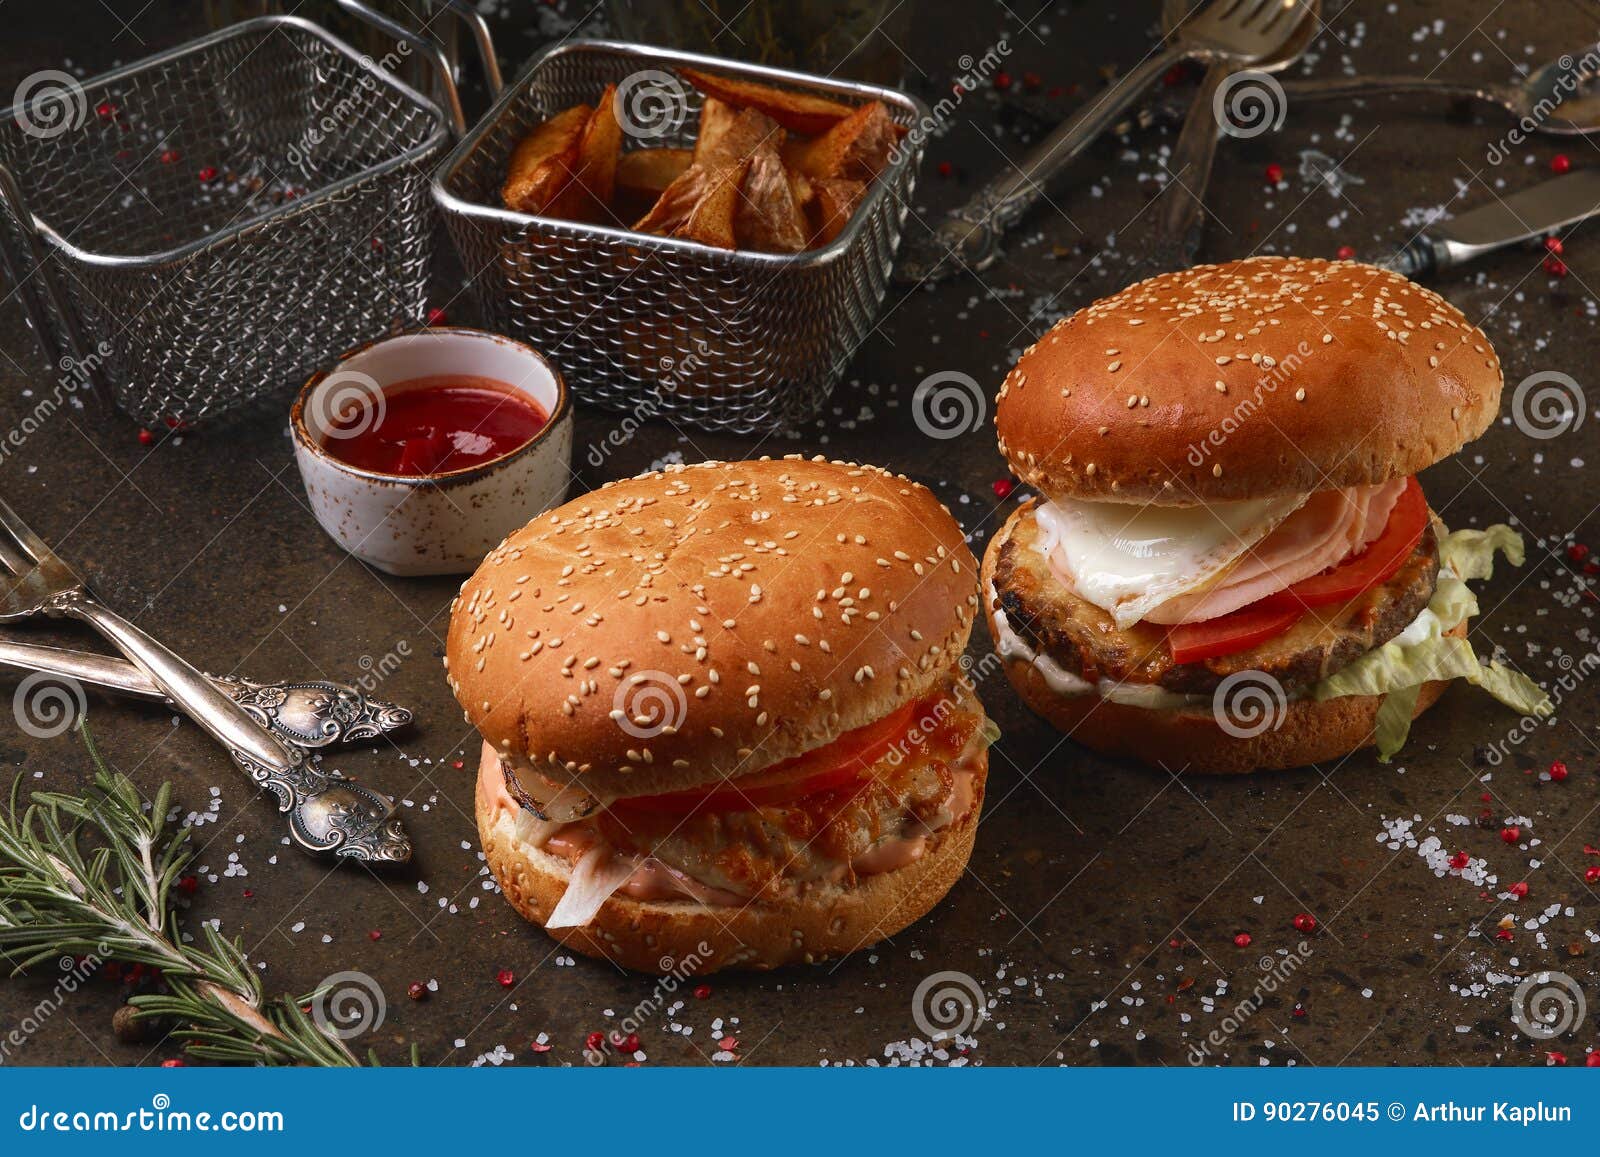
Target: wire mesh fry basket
column 725, row 340
column 214, row 221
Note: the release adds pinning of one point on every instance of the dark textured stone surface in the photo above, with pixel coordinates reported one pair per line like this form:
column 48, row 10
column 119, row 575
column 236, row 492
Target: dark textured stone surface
column 1103, row 901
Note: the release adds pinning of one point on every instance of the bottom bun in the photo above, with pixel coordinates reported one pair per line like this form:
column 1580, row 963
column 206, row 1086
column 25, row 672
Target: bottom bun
column 684, row 936
column 1191, row 740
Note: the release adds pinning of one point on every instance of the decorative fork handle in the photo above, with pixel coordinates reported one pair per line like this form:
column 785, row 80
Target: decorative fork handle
column 214, row 710
column 309, row 713
column 326, row 813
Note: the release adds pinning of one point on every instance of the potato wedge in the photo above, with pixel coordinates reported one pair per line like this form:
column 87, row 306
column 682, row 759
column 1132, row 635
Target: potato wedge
column 856, row 149
column 712, row 219
column 716, row 118
column 767, row 217
column 594, row 181
column 834, row 203
column 801, row 188
column 543, row 162
column 671, row 211
column 651, row 170
column 749, row 131
column 797, row 111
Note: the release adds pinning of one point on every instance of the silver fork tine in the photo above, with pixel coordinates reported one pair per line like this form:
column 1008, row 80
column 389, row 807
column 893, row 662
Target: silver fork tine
column 1256, row 8
column 13, row 559
column 37, row 566
column 1281, row 11
column 25, row 538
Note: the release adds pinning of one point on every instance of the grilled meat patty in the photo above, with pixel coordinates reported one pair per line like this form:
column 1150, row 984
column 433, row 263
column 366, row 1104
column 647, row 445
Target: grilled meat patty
column 773, row 849
column 1086, row 641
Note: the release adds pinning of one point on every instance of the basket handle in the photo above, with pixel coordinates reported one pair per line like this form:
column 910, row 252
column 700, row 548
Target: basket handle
column 431, row 48
column 40, row 310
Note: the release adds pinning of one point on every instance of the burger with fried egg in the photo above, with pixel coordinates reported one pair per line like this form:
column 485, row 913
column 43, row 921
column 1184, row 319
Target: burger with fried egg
column 1230, row 564
column 722, row 712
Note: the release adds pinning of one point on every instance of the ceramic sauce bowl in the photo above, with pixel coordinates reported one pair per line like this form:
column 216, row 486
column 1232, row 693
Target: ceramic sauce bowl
column 425, row 513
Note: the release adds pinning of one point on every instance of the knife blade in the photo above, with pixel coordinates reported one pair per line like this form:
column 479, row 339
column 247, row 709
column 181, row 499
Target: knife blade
column 1545, row 208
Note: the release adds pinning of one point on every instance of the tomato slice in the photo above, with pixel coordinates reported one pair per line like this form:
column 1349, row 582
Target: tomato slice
column 1270, row 617
column 835, row 765
column 1375, row 565
column 1225, row 634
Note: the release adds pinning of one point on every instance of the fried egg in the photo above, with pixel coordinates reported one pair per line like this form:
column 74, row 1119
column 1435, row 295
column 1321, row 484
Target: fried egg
column 1128, row 559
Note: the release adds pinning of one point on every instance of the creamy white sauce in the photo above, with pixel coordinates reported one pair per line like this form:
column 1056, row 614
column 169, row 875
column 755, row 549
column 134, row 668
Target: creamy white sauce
column 1421, row 628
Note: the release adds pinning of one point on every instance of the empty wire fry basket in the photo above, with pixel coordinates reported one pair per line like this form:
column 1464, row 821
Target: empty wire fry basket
column 717, row 339
column 206, row 226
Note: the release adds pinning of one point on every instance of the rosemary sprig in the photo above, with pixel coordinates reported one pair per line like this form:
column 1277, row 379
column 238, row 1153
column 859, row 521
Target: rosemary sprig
column 93, row 876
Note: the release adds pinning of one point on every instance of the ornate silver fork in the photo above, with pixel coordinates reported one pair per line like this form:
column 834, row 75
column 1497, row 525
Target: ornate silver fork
column 1235, row 33
column 327, row 813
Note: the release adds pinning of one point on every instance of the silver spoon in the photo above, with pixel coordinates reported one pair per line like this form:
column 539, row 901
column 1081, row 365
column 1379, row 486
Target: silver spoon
column 1561, row 98
column 306, row 713
column 1567, row 89
column 1576, row 80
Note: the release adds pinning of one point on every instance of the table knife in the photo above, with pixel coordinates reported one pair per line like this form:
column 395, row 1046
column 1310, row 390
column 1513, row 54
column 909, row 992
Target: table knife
column 1545, row 208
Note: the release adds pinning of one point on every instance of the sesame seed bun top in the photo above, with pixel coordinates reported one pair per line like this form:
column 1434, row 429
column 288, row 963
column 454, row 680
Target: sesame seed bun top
column 682, row 627
column 1248, row 379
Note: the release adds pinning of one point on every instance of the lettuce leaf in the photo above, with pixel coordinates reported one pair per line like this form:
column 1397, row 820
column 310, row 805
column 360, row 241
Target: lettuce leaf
column 991, row 732
column 1424, row 651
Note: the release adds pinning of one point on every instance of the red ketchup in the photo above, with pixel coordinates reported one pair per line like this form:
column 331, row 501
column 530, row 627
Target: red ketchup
column 435, row 425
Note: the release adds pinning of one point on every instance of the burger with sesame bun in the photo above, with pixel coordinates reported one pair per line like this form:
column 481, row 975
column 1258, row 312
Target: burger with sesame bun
column 723, row 712
column 1230, row 564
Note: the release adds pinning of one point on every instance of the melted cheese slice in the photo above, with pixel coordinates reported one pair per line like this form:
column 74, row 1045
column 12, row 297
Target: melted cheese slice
column 1128, row 560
